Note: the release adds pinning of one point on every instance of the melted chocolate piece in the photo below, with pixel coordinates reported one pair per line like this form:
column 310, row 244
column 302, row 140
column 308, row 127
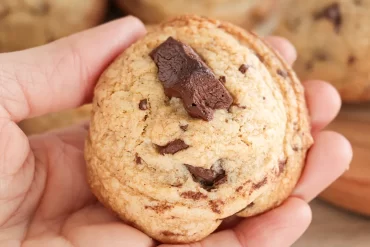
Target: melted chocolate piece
column 143, row 105
column 137, row 159
column 222, row 79
column 332, row 14
column 193, row 195
column 216, row 206
column 173, row 147
column 184, row 75
column 259, row 184
column 243, row 68
column 282, row 164
column 282, row 73
column 184, row 127
column 208, row 177
column 160, row 208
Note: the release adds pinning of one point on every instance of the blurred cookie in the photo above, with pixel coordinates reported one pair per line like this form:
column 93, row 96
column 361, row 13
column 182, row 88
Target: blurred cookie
column 333, row 43
column 30, row 23
column 197, row 121
column 245, row 13
column 53, row 121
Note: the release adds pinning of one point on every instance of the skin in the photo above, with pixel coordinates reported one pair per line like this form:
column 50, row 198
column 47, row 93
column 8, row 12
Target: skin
column 44, row 197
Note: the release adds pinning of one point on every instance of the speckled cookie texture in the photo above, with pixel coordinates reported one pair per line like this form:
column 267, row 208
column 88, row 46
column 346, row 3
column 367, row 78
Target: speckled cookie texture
column 29, row 23
column 175, row 168
column 54, row 121
column 246, row 13
column 332, row 39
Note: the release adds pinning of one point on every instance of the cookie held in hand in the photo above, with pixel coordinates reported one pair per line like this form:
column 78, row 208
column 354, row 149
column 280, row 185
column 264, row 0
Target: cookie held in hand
column 197, row 121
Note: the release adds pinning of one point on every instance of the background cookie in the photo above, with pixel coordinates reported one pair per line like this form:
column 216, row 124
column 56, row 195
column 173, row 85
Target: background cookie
column 39, row 125
column 174, row 168
column 332, row 38
column 246, row 13
column 29, row 23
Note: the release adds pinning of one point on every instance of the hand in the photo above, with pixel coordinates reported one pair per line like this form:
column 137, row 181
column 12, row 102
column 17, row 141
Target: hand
column 45, row 200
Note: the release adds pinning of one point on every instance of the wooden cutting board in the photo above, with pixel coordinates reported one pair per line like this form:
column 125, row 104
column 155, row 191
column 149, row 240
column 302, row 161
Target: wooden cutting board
column 352, row 190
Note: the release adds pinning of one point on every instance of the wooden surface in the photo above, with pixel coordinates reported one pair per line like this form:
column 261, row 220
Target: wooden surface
column 352, row 190
column 332, row 227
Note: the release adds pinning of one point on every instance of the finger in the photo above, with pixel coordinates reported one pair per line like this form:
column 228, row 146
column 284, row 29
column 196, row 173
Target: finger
column 61, row 75
column 323, row 102
column 283, row 47
column 110, row 234
column 327, row 160
column 74, row 135
column 280, row 227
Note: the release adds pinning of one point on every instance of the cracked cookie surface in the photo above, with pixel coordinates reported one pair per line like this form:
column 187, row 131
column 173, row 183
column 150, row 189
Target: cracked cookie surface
column 175, row 176
column 332, row 40
column 29, row 23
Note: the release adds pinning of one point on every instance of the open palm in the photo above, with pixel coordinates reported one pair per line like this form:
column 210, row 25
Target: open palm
column 44, row 196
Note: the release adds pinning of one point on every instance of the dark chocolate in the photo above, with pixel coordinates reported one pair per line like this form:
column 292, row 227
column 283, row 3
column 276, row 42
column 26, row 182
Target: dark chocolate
column 143, row 105
column 173, row 147
column 184, row 75
column 243, row 68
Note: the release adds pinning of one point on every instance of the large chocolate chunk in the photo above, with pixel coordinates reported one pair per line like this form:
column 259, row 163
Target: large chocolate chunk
column 173, row 147
column 208, row 177
column 332, row 14
column 184, row 75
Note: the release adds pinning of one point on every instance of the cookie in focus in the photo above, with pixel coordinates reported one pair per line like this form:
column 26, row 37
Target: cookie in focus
column 197, row 121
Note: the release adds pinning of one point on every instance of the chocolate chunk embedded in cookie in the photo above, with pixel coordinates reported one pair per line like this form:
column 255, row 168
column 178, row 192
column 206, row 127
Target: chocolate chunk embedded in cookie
column 176, row 170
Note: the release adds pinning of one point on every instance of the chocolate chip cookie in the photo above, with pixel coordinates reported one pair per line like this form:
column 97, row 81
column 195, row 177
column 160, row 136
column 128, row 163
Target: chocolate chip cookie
column 332, row 39
column 53, row 121
column 30, row 23
column 197, row 121
column 246, row 13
